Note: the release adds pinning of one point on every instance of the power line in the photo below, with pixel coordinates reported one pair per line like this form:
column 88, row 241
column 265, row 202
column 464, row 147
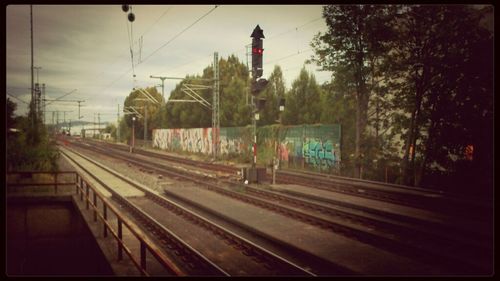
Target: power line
column 239, row 50
column 293, row 29
column 151, row 26
column 180, row 33
column 17, row 98
column 130, row 43
column 120, row 57
column 289, row 56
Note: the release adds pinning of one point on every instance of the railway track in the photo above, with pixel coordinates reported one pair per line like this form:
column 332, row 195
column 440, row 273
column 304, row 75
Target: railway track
column 436, row 200
column 415, row 241
column 243, row 253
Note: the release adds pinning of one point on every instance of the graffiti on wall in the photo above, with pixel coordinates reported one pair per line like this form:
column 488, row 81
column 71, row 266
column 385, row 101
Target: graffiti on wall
column 230, row 146
column 319, row 153
column 315, row 152
column 310, row 145
column 197, row 140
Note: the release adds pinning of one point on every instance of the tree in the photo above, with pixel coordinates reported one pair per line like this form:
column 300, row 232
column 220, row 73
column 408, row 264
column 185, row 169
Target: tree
column 442, row 76
column 137, row 100
column 303, row 104
column 233, row 109
column 111, row 129
column 9, row 114
column 353, row 45
column 274, row 90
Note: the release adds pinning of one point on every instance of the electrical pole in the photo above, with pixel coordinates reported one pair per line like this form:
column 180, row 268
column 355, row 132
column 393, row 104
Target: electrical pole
column 162, row 85
column 249, row 46
column 32, row 80
column 215, row 109
column 38, row 99
column 145, row 121
column 118, row 125
column 99, row 125
column 37, row 68
column 80, row 101
column 43, row 102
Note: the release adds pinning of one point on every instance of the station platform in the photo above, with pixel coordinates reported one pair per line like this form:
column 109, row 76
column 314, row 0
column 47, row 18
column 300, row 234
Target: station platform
column 379, row 206
column 353, row 255
column 120, row 186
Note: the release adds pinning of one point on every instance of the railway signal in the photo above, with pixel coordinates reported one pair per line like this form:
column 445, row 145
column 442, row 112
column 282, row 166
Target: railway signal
column 257, row 51
column 282, row 104
column 257, row 54
column 258, row 86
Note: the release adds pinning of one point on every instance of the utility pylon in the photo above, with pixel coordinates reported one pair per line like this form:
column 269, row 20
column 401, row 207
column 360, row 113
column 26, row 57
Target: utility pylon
column 43, row 103
column 118, row 125
column 190, row 90
column 215, row 109
column 162, row 85
column 57, row 100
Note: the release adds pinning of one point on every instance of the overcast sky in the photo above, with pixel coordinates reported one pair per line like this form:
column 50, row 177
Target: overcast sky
column 87, row 47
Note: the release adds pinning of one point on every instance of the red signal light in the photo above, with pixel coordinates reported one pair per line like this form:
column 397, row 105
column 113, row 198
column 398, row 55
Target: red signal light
column 257, row 51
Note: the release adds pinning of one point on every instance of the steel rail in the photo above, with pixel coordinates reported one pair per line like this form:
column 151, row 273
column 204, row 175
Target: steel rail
column 188, row 254
column 407, row 248
column 249, row 248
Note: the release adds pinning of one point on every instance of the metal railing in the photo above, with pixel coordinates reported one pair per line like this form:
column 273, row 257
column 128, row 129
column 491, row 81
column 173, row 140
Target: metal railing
column 83, row 188
column 87, row 190
column 29, row 175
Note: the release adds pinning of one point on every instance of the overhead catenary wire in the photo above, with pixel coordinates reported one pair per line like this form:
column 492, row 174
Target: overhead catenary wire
column 17, row 98
column 243, row 50
column 168, row 42
column 130, row 40
column 292, row 29
column 180, row 33
column 289, row 56
column 157, row 20
column 121, row 56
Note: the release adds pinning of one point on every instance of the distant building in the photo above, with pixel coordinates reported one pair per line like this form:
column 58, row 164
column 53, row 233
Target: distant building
column 105, row 136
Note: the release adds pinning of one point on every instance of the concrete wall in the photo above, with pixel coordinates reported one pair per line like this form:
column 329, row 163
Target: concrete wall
column 50, row 238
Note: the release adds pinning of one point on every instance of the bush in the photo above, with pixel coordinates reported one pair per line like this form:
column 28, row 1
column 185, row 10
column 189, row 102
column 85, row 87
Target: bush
column 24, row 155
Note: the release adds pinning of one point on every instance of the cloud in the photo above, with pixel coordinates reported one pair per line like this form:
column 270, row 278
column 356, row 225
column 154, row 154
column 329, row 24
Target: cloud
column 86, row 47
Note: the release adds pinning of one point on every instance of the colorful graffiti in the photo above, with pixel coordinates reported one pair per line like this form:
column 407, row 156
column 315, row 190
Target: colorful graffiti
column 319, row 153
column 315, row 146
column 314, row 152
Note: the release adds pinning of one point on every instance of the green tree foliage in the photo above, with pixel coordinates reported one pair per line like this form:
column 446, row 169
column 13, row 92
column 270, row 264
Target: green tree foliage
column 138, row 100
column 189, row 114
column 352, row 45
column 420, row 86
column 338, row 107
column 10, row 107
column 25, row 155
column 111, row 129
column 303, row 103
column 233, row 109
column 125, row 131
column 275, row 90
column 442, row 79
